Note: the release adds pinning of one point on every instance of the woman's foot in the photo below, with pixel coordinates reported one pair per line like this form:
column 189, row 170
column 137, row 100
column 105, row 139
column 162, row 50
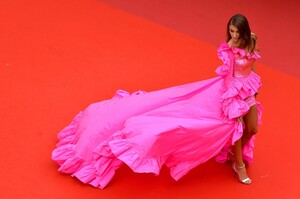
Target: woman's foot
column 240, row 170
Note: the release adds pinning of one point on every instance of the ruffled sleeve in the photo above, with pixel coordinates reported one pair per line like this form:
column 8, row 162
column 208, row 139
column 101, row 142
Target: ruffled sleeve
column 225, row 54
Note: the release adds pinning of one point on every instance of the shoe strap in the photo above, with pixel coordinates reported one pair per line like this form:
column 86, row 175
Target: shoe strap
column 245, row 180
column 240, row 167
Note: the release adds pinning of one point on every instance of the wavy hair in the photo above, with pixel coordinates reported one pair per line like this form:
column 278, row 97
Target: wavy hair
column 247, row 40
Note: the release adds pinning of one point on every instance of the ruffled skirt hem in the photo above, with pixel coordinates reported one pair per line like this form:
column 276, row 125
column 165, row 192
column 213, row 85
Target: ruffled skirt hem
column 181, row 130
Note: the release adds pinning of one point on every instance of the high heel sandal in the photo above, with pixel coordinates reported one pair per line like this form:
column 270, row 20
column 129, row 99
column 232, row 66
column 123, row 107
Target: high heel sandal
column 247, row 180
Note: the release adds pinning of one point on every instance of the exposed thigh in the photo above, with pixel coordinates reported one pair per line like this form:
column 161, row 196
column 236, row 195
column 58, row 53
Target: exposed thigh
column 251, row 119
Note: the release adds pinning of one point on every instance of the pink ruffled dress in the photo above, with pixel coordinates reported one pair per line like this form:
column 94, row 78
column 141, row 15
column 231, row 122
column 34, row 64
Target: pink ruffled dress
column 181, row 126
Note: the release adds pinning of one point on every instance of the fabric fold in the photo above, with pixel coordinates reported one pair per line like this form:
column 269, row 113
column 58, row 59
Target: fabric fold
column 181, row 127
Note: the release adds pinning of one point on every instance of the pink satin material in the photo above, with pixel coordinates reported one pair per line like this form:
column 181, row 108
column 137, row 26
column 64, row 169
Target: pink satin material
column 180, row 127
column 242, row 66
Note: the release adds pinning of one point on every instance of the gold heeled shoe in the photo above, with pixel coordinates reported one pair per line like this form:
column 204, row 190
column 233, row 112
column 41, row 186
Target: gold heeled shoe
column 247, row 180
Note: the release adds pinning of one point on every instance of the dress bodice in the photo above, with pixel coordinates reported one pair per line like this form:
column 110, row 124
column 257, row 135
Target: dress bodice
column 237, row 62
column 242, row 66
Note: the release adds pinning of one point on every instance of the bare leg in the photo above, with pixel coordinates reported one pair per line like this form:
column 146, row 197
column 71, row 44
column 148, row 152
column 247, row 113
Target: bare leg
column 239, row 165
column 251, row 124
column 250, row 121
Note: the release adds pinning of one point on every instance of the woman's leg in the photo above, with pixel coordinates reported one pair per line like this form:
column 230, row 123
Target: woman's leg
column 239, row 165
column 250, row 122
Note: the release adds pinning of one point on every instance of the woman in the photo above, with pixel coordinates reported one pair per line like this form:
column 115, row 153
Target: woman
column 239, row 35
column 181, row 126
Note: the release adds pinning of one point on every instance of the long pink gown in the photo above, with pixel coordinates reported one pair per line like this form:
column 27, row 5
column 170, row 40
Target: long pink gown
column 181, row 126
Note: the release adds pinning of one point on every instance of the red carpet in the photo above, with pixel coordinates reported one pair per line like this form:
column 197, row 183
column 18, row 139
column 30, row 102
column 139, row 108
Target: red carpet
column 275, row 23
column 56, row 57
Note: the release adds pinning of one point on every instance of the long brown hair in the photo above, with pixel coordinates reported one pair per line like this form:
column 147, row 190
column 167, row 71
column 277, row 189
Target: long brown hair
column 247, row 40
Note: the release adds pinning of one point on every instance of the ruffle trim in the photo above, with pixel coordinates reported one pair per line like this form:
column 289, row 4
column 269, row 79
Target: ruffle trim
column 236, row 91
column 239, row 51
column 224, row 55
column 247, row 152
column 97, row 172
column 131, row 156
column 112, row 153
column 107, row 157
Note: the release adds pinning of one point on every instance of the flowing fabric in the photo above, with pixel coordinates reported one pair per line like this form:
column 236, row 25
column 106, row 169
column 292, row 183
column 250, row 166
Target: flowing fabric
column 181, row 127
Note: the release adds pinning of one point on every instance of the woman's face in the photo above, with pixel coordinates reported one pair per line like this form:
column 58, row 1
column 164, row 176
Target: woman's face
column 234, row 33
